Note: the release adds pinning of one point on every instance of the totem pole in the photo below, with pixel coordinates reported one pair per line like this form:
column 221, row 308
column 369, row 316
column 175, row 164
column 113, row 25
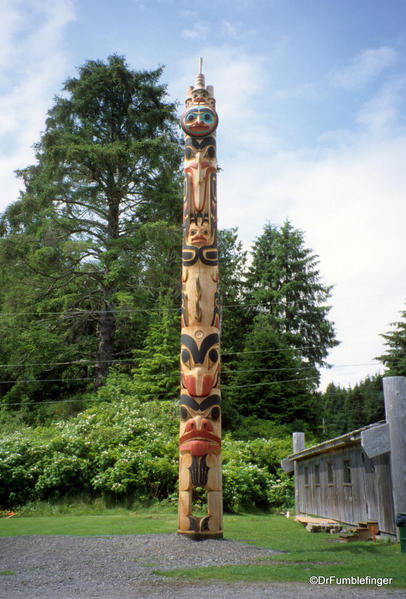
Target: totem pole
column 200, row 426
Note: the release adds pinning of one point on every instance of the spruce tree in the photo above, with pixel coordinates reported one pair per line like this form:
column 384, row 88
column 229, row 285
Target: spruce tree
column 156, row 373
column 285, row 283
column 394, row 359
column 107, row 166
column 269, row 381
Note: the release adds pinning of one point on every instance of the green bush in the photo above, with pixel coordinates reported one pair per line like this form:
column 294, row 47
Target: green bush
column 128, row 449
column 252, row 476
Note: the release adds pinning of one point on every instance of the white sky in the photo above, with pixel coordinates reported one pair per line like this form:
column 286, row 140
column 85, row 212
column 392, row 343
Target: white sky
column 310, row 96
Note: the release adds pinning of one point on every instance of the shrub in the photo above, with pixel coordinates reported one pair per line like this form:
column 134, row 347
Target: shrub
column 128, row 450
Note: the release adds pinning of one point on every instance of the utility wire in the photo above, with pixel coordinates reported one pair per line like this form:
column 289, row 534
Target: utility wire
column 178, row 373
column 117, row 311
column 84, row 362
column 46, row 380
column 22, row 404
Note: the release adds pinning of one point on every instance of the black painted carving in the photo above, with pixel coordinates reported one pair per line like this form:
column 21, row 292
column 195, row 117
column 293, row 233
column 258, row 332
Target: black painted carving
column 199, row 471
column 199, row 354
column 212, row 400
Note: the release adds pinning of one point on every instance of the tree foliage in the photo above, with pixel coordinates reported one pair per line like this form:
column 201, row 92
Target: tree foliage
column 285, row 283
column 268, row 381
column 156, row 373
column 107, row 171
column 346, row 409
column 394, row 359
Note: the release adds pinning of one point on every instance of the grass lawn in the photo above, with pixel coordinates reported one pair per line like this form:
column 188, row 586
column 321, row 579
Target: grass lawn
column 304, row 554
column 85, row 520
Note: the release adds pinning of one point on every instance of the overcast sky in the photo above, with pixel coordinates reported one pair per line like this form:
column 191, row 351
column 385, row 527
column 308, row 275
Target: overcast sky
column 311, row 98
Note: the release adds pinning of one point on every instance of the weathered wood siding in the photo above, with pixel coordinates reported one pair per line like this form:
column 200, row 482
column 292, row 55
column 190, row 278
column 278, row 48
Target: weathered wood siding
column 368, row 495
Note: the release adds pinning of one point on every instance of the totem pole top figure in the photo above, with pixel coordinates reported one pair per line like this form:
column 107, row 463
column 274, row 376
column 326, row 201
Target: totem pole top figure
column 200, row 117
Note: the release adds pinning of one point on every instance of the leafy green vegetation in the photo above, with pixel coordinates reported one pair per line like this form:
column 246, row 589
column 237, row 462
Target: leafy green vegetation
column 124, row 450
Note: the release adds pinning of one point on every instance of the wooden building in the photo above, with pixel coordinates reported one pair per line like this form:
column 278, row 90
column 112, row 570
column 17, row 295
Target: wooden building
column 360, row 475
column 336, row 479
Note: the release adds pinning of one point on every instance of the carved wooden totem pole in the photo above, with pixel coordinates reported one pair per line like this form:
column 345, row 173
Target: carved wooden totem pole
column 200, row 426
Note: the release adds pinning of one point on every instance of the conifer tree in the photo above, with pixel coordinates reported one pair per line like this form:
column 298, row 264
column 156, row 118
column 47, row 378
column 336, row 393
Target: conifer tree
column 395, row 340
column 284, row 280
column 156, row 373
column 106, row 167
column 269, row 381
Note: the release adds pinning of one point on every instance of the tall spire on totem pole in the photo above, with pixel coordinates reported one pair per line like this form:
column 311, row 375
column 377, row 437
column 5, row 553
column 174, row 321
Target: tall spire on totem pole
column 200, row 400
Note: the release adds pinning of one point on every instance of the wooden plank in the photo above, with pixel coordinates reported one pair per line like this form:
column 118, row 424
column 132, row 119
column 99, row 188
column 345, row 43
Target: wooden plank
column 287, row 465
column 305, row 519
column 298, row 442
column 394, row 388
column 358, row 505
column 375, row 440
column 383, row 482
column 370, row 489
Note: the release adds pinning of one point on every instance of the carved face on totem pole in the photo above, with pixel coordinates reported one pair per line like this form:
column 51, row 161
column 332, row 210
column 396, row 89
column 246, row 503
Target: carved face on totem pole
column 200, row 120
column 200, row 362
column 200, row 402
column 200, row 428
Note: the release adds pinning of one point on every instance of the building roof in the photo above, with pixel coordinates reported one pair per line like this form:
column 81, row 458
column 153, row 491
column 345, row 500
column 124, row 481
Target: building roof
column 349, row 439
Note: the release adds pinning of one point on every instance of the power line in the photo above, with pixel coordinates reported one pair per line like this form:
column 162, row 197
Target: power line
column 257, row 351
column 46, row 380
column 144, row 395
column 155, row 376
column 178, row 373
column 119, row 311
column 84, row 362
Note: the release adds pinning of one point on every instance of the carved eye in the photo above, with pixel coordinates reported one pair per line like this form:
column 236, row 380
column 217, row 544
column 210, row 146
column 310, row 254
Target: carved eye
column 215, row 413
column 211, row 152
column 190, row 117
column 188, row 153
column 193, row 231
column 205, row 232
column 207, row 116
column 184, row 413
column 213, row 355
column 185, row 358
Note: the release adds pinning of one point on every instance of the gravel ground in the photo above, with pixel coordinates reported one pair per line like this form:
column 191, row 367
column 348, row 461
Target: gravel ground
column 121, row 567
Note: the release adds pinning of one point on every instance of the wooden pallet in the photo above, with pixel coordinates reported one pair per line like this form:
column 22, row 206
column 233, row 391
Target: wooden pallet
column 315, row 524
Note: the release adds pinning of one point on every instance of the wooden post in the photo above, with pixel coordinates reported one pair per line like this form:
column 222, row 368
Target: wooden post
column 394, row 388
column 200, row 401
column 298, row 444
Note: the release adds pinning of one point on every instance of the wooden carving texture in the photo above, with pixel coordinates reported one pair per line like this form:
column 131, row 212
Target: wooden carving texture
column 200, row 401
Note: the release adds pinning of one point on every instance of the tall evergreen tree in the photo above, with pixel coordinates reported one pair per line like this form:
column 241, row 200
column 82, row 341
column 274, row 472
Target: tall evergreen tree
column 343, row 410
column 105, row 170
column 269, row 381
column 284, row 281
column 232, row 265
column 395, row 340
column 334, row 422
column 156, row 373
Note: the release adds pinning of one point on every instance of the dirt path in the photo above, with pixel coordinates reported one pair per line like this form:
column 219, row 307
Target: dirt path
column 122, row 567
